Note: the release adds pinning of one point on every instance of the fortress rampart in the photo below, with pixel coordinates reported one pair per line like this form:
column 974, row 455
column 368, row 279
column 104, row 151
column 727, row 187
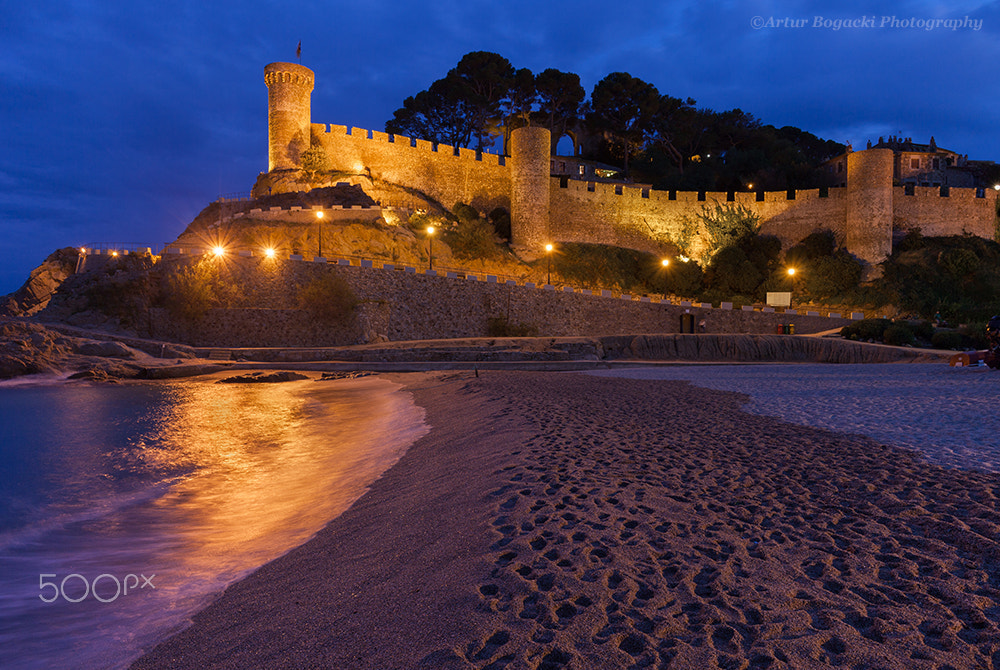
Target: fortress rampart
column 552, row 209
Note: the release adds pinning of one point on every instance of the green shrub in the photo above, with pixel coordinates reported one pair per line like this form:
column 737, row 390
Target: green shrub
column 866, row 329
column 465, row 212
column 327, row 298
column 924, row 330
column 473, row 238
column 684, row 278
column 189, row 292
column 947, row 339
column 834, row 275
column 898, row 334
column 601, row 266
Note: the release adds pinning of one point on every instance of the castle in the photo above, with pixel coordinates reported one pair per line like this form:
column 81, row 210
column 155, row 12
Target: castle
column 399, row 171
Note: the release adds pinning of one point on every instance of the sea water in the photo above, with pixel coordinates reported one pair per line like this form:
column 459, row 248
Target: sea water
column 126, row 508
column 949, row 415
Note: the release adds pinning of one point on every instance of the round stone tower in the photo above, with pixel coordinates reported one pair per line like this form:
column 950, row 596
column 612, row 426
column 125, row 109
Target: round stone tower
column 869, row 206
column 529, row 193
column 289, row 89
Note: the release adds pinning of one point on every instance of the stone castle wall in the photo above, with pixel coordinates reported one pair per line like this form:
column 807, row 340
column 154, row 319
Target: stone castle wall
column 441, row 172
column 862, row 216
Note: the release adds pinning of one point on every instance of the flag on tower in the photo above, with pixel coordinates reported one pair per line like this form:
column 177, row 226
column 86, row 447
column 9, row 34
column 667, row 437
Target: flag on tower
column 298, row 51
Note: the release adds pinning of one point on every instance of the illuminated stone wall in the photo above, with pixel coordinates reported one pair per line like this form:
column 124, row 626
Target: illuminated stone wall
column 403, row 172
column 443, row 173
column 958, row 213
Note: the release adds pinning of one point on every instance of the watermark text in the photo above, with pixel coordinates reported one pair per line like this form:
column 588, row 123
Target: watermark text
column 865, row 22
column 76, row 588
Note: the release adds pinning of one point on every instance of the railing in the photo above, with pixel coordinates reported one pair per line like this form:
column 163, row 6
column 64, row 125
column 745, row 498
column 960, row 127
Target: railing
column 236, row 196
column 463, row 273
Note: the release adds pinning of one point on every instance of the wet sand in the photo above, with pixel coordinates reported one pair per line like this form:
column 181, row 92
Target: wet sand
column 555, row 520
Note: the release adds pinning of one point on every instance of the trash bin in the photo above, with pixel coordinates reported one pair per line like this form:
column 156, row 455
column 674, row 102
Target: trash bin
column 781, row 329
column 791, row 329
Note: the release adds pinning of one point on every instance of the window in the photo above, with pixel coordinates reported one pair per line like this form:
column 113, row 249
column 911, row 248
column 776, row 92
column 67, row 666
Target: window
column 583, row 170
column 914, row 163
column 937, row 163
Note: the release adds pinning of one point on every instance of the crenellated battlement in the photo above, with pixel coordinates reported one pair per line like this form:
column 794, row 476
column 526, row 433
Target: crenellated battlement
column 332, row 134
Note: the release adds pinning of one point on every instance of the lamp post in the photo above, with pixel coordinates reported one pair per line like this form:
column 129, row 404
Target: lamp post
column 548, row 264
column 791, row 284
column 430, row 247
column 319, row 225
column 665, row 263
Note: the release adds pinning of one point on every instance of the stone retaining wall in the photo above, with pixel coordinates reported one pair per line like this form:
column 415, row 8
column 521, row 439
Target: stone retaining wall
column 403, row 304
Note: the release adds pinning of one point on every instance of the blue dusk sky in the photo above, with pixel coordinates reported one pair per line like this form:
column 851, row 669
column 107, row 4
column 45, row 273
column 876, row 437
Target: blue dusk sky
column 122, row 120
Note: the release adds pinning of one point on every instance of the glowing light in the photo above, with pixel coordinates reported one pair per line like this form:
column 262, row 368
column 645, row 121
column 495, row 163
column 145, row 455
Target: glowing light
column 996, row 187
column 269, row 252
column 114, row 253
column 548, row 248
column 791, row 271
column 430, row 230
column 665, row 262
column 218, row 251
column 319, row 214
column 749, row 185
column 83, row 250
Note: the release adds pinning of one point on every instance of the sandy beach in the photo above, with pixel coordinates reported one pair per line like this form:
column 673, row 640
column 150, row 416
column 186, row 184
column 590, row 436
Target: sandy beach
column 560, row 520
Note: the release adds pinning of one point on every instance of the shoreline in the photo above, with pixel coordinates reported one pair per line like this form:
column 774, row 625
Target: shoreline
column 576, row 521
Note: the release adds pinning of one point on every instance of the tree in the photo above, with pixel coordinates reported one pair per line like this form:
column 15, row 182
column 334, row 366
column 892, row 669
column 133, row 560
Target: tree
column 623, row 107
column 440, row 114
column 486, row 79
column 560, row 97
column 671, row 121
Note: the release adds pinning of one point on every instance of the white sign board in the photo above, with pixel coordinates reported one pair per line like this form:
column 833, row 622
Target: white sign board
column 779, row 299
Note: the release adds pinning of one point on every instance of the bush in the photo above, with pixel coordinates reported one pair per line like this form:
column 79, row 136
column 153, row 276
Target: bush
column 465, row 212
column 866, row 329
column 828, row 276
column 473, row 238
column 189, row 293
column 327, row 298
column 499, row 218
column 947, row 339
column 686, row 279
column 898, row 334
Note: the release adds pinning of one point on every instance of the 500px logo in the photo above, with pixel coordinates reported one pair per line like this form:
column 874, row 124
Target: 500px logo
column 104, row 595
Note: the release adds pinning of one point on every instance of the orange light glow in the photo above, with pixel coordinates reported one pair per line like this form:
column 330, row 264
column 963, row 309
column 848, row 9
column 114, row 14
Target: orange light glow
column 319, row 214
column 665, row 262
column 114, row 253
column 430, row 230
column 218, row 251
column 269, row 253
column 548, row 248
column 791, row 271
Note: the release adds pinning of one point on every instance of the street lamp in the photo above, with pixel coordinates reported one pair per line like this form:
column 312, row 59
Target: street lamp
column 319, row 224
column 430, row 247
column 664, row 264
column 548, row 264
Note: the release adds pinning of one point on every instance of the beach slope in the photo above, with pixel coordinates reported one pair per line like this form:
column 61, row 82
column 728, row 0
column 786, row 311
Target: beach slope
column 556, row 520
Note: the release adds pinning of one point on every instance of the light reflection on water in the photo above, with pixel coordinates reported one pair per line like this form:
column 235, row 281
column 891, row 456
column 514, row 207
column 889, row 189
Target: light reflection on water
column 199, row 488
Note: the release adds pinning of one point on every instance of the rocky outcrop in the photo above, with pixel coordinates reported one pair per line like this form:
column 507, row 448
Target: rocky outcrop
column 29, row 348
column 35, row 293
